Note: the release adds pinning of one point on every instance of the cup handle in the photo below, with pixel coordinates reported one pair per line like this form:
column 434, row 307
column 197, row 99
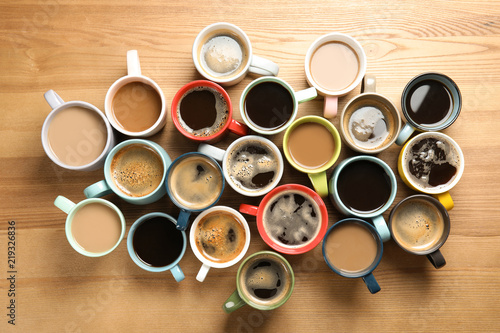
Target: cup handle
column 319, row 183
column 177, row 273
column 249, row 209
column 381, row 226
column 446, row 200
column 238, row 128
column 263, row 66
column 53, row 99
column 133, row 64
column 211, row 151
column 183, row 219
column 436, row 258
column 371, row 283
column 330, row 107
column 306, row 95
column 405, row 133
column 97, row 190
column 369, row 84
column 64, row 204
column 202, row 274
column 234, row 302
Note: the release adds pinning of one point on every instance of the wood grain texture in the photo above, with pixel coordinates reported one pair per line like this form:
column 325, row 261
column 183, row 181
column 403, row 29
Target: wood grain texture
column 78, row 49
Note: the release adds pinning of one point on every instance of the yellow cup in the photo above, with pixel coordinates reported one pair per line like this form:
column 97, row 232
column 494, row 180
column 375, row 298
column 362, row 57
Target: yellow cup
column 317, row 175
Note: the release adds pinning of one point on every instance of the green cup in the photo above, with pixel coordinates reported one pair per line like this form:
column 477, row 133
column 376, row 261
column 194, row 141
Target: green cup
column 264, row 281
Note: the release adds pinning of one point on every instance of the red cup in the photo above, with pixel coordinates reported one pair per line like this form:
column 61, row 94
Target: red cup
column 277, row 197
column 229, row 125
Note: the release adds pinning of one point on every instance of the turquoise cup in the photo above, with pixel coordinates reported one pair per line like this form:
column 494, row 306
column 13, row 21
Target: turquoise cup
column 108, row 186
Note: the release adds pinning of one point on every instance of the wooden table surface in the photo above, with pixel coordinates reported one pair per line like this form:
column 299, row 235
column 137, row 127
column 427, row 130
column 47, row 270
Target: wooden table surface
column 78, row 48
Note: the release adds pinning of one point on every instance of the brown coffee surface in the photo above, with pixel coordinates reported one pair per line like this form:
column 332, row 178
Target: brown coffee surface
column 77, row 136
column 334, row 66
column 222, row 54
column 96, row 227
column 311, row 145
column 429, row 103
column 137, row 170
column 136, row 106
column 370, row 125
column 351, row 247
column 220, row 236
column 417, row 225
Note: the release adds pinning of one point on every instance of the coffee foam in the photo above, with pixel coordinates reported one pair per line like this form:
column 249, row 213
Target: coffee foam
column 292, row 219
column 221, row 119
column 137, row 170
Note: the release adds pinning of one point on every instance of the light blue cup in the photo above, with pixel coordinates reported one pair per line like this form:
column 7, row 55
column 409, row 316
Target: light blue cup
column 185, row 213
column 107, row 186
column 375, row 216
column 173, row 267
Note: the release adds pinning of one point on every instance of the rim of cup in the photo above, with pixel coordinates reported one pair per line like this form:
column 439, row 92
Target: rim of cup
column 192, row 240
column 336, row 37
column 95, row 164
column 178, row 97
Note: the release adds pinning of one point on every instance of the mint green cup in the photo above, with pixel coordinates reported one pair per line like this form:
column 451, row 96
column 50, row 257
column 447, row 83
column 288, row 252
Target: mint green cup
column 108, row 186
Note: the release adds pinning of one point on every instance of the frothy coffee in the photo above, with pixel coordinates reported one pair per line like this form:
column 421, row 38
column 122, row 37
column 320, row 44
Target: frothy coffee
column 252, row 165
column 292, row 219
column 137, row 170
column 220, row 236
column 195, row 182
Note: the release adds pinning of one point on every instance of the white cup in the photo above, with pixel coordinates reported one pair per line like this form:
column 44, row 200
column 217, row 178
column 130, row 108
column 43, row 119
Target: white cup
column 251, row 63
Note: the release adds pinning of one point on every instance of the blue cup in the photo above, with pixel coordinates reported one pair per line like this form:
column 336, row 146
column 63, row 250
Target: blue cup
column 194, row 182
column 363, row 255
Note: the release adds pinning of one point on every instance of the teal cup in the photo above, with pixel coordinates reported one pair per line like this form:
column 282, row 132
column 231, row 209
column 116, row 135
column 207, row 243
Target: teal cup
column 365, row 187
column 156, row 245
column 135, row 170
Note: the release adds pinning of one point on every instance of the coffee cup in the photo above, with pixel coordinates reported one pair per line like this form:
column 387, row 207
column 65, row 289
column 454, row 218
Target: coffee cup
column 291, row 219
column 194, row 182
column 335, row 64
column 312, row 145
column 430, row 102
column 222, row 53
column 219, row 238
column 252, row 165
column 353, row 248
column 76, row 135
column 370, row 122
column 135, row 104
column 268, row 105
column 432, row 163
column 134, row 170
column 94, row 227
column 265, row 281
column 202, row 111
column 365, row 187
column 420, row 224
column 156, row 245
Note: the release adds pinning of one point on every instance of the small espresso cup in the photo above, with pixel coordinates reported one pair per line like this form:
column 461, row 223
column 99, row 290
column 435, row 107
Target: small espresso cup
column 370, row 122
column 335, row 64
column 432, row 163
column 420, row 225
column 135, row 104
column 291, row 219
column 156, row 245
column 222, row 53
column 252, row 165
column 94, row 227
column 312, row 145
column 353, row 248
column 76, row 135
column 364, row 186
column 219, row 238
column 268, row 105
column 202, row 111
column 194, row 182
column 134, row 170
column 430, row 102
column 265, row 281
